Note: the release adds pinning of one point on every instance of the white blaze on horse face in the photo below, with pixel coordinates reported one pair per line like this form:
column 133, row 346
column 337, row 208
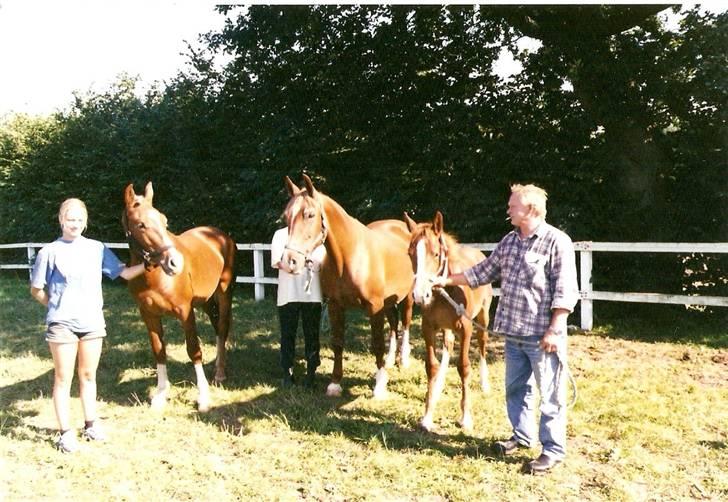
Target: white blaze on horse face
column 423, row 287
column 172, row 261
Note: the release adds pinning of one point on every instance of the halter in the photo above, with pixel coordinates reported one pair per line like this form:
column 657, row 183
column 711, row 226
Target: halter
column 151, row 258
column 308, row 262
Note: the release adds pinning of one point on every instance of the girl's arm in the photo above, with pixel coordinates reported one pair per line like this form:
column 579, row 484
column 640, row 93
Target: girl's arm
column 40, row 295
column 130, row 272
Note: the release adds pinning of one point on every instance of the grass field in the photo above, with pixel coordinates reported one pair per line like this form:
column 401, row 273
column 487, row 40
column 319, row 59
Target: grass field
column 651, row 421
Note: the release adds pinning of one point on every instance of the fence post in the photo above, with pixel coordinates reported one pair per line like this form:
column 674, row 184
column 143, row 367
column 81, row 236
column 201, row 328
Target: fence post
column 585, row 268
column 258, row 273
column 30, row 252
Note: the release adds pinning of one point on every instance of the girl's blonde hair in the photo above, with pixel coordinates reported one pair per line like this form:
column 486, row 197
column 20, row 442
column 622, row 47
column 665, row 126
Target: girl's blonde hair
column 67, row 205
column 533, row 196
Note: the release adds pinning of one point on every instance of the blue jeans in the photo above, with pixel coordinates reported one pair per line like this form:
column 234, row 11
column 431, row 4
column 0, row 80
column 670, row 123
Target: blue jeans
column 529, row 368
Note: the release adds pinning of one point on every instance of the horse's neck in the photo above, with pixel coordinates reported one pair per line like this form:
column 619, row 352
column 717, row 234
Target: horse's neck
column 344, row 232
column 457, row 260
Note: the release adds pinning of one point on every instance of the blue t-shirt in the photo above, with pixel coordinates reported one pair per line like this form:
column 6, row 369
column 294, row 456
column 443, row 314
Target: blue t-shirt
column 70, row 271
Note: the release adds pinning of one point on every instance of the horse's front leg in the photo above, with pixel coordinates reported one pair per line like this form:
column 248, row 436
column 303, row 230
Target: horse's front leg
column 156, row 340
column 377, row 348
column 337, row 319
column 466, row 418
column 194, row 351
column 432, row 369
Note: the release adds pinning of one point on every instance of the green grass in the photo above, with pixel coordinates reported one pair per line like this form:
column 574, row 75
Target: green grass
column 649, row 424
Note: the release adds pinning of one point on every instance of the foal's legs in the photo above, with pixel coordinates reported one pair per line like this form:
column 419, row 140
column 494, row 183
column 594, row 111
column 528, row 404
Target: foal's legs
column 482, row 336
column 435, row 372
column 337, row 319
column 156, row 340
column 194, row 351
column 466, row 419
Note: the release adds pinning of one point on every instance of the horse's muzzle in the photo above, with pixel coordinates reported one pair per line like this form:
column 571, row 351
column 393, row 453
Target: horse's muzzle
column 173, row 262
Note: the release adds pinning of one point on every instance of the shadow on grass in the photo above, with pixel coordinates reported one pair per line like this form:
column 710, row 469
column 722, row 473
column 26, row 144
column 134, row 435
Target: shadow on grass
column 661, row 323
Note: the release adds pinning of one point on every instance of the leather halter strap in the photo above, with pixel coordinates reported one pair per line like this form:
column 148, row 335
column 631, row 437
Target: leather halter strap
column 319, row 241
column 150, row 257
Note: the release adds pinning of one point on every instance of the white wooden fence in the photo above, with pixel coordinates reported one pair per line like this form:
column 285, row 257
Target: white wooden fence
column 585, row 250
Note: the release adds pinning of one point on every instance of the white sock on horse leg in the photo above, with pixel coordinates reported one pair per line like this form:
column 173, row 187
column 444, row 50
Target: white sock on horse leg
column 203, row 400
column 392, row 354
column 406, row 349
column 159, row 399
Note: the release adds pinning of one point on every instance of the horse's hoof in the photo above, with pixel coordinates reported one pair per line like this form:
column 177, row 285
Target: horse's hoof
column 466, row 424
column 159, row 402
column 380, row 394
column 485, row 387
column 203, row 407
column 333, row 390
column 426, row 425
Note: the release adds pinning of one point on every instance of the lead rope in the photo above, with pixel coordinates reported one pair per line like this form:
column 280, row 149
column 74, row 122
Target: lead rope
column 563, row 363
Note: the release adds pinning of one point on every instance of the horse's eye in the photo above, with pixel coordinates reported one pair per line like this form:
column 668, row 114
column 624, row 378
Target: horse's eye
column 310, row 215
column 141, row 226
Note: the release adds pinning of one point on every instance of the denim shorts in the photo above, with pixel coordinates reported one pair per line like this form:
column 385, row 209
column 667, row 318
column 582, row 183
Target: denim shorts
column 58, row 333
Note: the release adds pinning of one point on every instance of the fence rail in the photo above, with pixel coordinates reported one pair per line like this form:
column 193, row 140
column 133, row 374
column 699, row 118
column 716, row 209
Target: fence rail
column 584, row 249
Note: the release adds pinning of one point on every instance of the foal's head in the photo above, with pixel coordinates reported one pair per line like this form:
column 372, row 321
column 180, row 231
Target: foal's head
column 146, row 230
column 306, row 224
column 428, row 253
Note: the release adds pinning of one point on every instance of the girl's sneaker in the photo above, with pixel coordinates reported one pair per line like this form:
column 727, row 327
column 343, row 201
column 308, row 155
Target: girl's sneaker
column 67, row 443
column 94, row 433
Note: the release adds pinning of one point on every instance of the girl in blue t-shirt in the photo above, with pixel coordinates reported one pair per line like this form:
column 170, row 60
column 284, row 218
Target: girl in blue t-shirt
column 66, row 278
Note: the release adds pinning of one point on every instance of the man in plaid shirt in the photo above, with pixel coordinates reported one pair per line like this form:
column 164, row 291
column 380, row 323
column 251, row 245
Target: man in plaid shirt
column 536, row 267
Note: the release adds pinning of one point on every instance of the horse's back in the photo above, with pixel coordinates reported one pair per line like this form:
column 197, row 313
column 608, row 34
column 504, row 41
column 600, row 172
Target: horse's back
column 211, row 255
column 396, row 229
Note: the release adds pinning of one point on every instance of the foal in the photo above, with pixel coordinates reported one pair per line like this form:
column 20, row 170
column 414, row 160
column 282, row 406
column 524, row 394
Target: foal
column 434, row 252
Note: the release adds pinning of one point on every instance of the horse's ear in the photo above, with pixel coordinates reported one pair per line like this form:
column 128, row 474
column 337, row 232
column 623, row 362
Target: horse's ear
column 149, row 192
column 309, row 185
column 410, row 222
column 129, row 194
column 291, row 186
column 437, row 223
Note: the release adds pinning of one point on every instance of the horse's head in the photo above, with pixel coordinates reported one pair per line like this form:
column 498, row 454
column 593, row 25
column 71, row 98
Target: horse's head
column 146, row 231
column 306, row 224
column 428, row 253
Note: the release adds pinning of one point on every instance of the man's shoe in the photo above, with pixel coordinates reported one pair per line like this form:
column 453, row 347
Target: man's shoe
column 541, row 465
column 508, row 447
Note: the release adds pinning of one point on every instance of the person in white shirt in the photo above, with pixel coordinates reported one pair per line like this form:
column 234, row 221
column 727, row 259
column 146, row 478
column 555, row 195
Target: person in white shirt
column 299, row 297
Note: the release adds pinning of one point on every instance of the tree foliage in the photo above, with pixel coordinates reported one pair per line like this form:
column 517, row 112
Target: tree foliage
column 394, row 108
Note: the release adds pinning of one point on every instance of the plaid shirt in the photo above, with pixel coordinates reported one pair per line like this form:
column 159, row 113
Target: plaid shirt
column 537, row 274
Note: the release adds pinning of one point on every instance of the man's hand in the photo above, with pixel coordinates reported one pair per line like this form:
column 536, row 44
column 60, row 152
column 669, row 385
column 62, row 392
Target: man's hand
column 550, row 340
column 439, row 281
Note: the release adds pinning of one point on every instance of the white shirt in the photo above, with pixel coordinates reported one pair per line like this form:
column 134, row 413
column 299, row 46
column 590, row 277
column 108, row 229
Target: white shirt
column 292, row 287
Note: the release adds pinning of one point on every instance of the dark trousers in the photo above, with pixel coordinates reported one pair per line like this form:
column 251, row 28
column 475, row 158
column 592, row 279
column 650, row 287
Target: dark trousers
column 310, row 315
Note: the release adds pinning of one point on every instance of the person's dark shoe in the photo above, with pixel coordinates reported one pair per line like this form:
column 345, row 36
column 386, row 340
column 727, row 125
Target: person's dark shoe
column 541, row 465
column 310, row 381
column 287, row 381
column 508, row 446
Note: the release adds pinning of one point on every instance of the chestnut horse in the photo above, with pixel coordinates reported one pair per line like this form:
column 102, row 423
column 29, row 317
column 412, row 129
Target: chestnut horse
column 182, row 271
column 434, row 252
column 365, row 267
